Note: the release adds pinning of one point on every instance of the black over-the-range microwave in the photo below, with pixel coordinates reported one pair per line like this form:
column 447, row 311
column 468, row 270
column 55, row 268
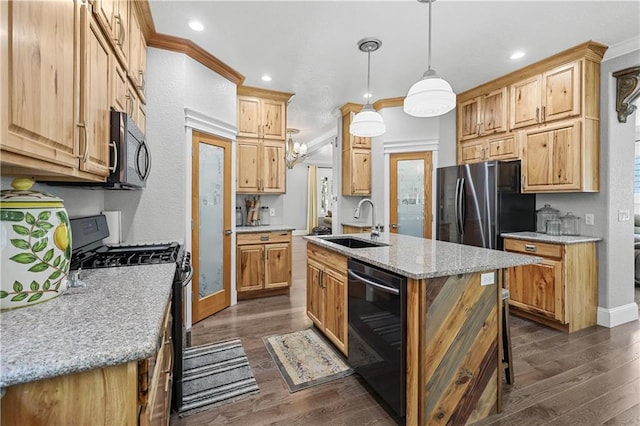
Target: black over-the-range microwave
column 130, row 159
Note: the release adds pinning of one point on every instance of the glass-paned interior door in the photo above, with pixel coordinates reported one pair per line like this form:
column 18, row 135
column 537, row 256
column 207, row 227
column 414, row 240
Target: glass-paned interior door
column 410, row 194
column 211, row 225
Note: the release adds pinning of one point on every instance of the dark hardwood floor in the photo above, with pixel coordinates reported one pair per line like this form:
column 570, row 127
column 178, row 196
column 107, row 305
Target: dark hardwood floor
column 590, row 377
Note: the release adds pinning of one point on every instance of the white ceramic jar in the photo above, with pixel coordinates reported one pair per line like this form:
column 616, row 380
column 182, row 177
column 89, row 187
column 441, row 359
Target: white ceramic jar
column 36, row 246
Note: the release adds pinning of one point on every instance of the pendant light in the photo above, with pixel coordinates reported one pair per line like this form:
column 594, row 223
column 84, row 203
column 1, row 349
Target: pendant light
column 431, row 96
column 368, row 122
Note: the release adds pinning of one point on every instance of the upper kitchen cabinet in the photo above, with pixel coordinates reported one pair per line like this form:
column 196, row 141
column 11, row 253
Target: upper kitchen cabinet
column 137, row 55
column 554, row 121
column 261, row 141
column 483, row 115
column 356, row 157
column 262, row 114
column 550, row 96
column 53, row 108
column 113, row 17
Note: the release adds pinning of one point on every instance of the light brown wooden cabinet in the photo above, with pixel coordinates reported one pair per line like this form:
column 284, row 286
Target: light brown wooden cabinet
column 562, row 291
column 55, row 111
column 261, row 141
column 137, row 392
column 260, row 167
column 553, row 95
column 356, row 157
column 346, row 229
column 554, row 119
column 137, row 59
column 327, row 294
column 263, row 264
column 483, row 115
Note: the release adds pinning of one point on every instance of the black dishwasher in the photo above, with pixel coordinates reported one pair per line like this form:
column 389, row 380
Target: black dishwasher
column 377, row 331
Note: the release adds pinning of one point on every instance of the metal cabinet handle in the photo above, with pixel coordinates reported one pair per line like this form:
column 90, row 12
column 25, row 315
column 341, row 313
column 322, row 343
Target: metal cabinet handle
column 544, row 110
column 530, row 248
column 478, row 129
column 121, row 34
column 85, row 155
column 537, row 114
column 522, row 181
column 113, row 168
column 141, row 80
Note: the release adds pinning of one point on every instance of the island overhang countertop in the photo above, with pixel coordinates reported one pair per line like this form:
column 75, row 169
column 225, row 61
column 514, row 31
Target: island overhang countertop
column 421, row 258
column 116, row 318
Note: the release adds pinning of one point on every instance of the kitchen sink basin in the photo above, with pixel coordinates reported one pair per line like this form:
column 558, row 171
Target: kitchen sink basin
column 354, row 242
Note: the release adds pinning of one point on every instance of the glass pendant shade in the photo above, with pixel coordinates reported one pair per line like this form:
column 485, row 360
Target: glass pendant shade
column 367, row 123
column 430, row 97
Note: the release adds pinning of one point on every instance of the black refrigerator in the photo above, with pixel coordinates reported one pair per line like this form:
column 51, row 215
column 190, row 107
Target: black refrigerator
column 477, row 202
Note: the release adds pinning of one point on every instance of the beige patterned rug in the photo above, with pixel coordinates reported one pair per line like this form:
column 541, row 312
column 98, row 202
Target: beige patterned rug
column 306, row 359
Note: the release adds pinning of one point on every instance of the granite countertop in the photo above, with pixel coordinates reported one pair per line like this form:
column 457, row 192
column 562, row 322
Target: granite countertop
column 554, row 239
column 115, row 319
column 420, row 258
column 263, row 228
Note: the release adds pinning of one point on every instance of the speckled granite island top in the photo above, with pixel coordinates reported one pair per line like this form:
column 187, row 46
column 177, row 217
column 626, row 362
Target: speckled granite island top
column 420, row 258
column 263, row 228
column 115, row 319
column 554, row 239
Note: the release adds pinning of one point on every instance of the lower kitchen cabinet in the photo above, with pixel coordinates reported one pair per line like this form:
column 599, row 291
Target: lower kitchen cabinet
column 348, row 229
column 263, row 264
column 132, row 393
column 327, row 294
column 562, row 291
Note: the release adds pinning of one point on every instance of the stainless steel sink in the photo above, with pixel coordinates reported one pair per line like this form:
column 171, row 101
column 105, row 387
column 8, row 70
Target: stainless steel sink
column 354, row 242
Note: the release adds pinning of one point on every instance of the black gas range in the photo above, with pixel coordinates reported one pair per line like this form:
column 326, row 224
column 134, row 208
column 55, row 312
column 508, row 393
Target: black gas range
column 89, row 252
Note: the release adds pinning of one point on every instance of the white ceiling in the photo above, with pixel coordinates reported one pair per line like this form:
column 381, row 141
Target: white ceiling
column 309, row 47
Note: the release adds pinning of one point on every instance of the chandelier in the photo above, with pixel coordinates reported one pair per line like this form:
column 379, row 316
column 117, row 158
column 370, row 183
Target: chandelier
column 295, row 152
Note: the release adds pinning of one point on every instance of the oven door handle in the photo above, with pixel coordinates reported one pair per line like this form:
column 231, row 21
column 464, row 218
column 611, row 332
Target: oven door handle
column 373, row 284
column 189, row 277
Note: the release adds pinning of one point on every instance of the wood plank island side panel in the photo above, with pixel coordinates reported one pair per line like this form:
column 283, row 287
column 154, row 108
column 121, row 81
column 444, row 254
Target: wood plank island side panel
column 104, row 396
column 462, row 372
column 416, row 305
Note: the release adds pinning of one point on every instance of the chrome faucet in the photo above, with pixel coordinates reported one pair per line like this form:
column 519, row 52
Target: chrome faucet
column 356, row 214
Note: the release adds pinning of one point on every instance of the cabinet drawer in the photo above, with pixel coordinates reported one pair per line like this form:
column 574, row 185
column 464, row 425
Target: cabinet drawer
column 336, row 261
column 501, row 148
column 533, row 247
column 264, row 237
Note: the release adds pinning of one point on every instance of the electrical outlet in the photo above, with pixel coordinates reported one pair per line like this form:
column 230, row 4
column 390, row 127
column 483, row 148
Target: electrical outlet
column 272, row 212
column 488, row 278
column 623, row 215
column 588, row 219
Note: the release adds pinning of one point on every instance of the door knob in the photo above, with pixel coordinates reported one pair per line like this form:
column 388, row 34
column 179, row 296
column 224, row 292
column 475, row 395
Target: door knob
column 228, row 232
column 393, row 225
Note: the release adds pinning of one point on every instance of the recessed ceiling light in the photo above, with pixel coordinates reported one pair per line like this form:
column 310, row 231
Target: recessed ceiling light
column 367, row 95
column 266, row 77
column 196, row 26
column 517, row 55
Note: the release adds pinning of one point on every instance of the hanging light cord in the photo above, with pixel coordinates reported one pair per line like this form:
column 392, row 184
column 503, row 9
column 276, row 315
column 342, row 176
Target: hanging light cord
column 368, row 73
column 429, row 56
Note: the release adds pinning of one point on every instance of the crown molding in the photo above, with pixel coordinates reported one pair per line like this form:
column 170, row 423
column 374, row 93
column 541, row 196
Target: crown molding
column 264, row 93
column 208, row 124
column 622, row 48
column 182, row 45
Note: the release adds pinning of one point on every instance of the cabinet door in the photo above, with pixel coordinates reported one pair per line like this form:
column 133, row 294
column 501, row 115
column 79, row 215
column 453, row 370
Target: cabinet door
column 551, row 159
column 315, row 293
column 493, row 114
column 361, row 171
column 248, row 117
column 273, row 119
column 106, row 11
column 277, row 265
column 250, row 267
column 119, row 86
column 561, row 88
column 472, row 152
column 95, row 98
column 272, row 168
column 468, row 119
column 247, row 170
column 134, row 48
column 538, row 288
column 525, row 102
column 502, row 149
column 40, row 106
column 335, row 313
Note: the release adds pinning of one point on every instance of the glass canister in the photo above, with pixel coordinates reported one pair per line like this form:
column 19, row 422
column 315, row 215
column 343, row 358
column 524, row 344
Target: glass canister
column 543, row 215
column 554, row 227
column 264, row 216
column 238, row 216
column 35, row 246
column 570, row 224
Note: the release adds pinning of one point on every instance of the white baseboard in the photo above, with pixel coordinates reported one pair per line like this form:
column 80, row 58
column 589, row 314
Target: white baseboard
column 619, row 315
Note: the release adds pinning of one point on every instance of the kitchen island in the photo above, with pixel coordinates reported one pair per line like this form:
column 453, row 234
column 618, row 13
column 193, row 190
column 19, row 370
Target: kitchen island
column 81, row 358
column 453, row 316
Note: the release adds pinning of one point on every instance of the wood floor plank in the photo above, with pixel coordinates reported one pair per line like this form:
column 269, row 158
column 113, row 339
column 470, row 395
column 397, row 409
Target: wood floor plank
column 558, row 376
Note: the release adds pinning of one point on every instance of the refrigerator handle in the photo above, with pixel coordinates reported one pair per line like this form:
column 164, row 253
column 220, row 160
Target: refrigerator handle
column 455, row 205
column 461, row 208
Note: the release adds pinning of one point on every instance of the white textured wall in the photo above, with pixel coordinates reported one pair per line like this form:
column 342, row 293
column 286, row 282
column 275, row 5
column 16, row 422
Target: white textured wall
column 78, row 202
column 158, row 212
